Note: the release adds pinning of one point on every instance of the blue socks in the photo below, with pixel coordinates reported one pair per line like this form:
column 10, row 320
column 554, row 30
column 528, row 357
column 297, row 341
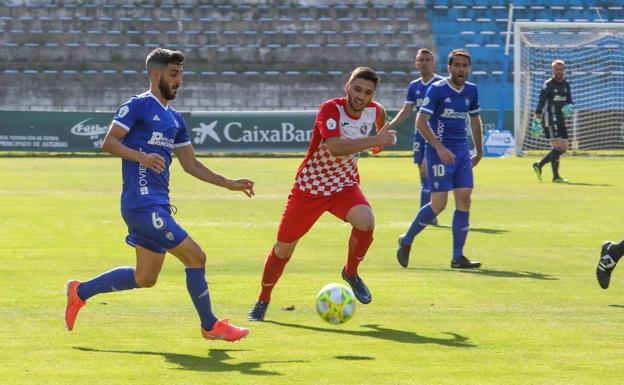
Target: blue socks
column 423, row 218
column 425, row 196
column 460, row 232
column 118, row 279
column 198, row 290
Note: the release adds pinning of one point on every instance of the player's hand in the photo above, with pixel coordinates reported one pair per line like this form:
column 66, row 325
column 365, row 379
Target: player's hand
column 244, row 185
column 153, row 162
column 567, row 110
column 536, row 128
column 446, row 155
column 386, row 138
column 475, row 159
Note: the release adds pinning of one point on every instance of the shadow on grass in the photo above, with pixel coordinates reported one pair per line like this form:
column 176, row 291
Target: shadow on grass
column 456, row 340
column 510, row 274
column 495, row 273
column 354, row 358
column 620, row 306
column 585, row 184
column 215, row 362
column 474, row 229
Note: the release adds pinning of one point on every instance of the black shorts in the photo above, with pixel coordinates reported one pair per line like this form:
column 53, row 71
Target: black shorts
column 556, row 130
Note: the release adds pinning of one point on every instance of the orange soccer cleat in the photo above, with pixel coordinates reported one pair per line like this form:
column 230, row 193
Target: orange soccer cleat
column 222, row 330
column 74, row 303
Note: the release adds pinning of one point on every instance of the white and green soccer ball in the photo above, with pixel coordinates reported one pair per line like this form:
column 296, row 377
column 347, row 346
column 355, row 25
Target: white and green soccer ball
column 335, row 303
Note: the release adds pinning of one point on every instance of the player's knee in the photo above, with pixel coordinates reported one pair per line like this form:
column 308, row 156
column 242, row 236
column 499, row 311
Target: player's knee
column 438, row 207
column 198, row 259
column 284, row 250
column 146, row 281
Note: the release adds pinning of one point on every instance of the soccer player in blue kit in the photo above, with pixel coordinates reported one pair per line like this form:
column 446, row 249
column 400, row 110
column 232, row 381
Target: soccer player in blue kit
column 425, row 63
column 443, row 121
column 144, row 133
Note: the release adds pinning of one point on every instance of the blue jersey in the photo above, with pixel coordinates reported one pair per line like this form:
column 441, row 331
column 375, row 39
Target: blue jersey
column 417, row 90
column 152, row 128
column 449, row 109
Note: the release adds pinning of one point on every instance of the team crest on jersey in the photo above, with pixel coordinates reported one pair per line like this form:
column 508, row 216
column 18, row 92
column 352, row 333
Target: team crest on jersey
column 169, row 235
column 363, row 129
column 467, row 102
column 123, row 111
column 330, row 124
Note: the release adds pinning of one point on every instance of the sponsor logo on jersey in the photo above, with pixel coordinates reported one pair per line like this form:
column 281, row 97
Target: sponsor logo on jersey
column 425, row 100
column 143, row 179
column 158, row 139
column 467, row 102
column 447, row 100
column 123, row 111
column 156, row 118
column 450, row 113
column 330, row 124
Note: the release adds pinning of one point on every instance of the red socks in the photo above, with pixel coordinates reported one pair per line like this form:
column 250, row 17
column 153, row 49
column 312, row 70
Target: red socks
column 359, row 242
column 273, row 268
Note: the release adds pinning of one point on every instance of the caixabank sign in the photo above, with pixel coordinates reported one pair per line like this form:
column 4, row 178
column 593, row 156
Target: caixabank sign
column 236, row 132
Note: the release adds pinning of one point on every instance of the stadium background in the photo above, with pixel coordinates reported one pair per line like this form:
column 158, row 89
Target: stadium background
column 88, row 56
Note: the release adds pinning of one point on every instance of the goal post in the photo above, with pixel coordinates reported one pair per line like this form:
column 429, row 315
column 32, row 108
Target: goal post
column 594, row 66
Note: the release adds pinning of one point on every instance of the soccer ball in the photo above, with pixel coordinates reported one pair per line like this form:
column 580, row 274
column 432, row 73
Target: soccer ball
column 335, row 303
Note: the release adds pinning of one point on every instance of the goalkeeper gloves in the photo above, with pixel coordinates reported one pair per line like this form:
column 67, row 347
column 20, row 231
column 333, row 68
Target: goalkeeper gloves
column 567, row 110
column 536, row 129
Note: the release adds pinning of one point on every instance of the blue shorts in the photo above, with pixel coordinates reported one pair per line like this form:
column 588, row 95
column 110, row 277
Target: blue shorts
column 446, row 177
column 419, row 148
column 153, row 228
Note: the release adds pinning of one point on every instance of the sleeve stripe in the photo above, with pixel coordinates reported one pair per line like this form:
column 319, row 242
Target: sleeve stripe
column 409, row 102
column 474, row 111
column 120, row 124
column 187, row 143
column 426, row 110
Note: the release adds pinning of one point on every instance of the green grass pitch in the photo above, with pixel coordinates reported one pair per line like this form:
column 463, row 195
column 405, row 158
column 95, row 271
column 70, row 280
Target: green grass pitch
column 534, row 314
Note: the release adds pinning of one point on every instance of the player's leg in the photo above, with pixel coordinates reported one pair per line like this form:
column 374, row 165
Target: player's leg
column 300, row 213
column 351, row 206
column 549, row 133
column 560, row 146
column 464, row 183
column 461, row 225
column 425, row 192
column 118, row 279
column 440, row 182
column 610, row 254
column 194, row 259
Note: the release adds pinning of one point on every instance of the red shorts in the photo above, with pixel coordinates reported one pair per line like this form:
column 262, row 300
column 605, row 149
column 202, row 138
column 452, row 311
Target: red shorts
column 303, row 210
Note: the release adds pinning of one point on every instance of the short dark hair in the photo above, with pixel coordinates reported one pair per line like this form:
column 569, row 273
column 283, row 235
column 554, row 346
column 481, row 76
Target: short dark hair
column 161, row 57
column 365, row 73
column 425, row 50
column 458, row 52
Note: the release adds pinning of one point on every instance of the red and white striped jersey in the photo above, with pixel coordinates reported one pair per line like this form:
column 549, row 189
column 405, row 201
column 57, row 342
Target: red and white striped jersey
column 322, row 173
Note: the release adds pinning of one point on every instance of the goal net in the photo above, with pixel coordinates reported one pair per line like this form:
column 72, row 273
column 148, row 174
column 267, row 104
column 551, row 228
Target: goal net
column 594, row 66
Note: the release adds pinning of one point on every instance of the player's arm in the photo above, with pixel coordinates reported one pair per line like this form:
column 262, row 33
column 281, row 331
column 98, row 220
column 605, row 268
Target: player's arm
column 113, row 145
column 341, row 146
column 476, row 126
column 543, row 96
column 405, row 111
column 194, row 167
column 422, row 119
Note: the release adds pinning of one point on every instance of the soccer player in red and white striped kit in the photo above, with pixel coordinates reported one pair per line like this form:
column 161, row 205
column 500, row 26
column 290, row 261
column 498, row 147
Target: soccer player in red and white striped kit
column 328, row 180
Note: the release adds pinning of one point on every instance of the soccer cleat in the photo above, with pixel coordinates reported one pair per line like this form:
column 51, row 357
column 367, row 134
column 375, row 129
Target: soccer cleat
column 605, row 267
column 434, row 221
column 358, row 286
column 465, row 263
column 222, row 330
column 74, row 303
column 257, row 311
column 538, row 171
column 560, row 180
column 403, row 253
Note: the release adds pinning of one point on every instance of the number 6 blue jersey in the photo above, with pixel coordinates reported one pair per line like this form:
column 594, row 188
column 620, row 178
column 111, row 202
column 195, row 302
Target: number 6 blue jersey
column 152, row 128
column 449, row 109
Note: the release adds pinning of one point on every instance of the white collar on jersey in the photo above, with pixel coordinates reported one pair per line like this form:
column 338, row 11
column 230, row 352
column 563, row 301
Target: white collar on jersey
column 149, row 92
column 430, row 80
column 448, row 81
